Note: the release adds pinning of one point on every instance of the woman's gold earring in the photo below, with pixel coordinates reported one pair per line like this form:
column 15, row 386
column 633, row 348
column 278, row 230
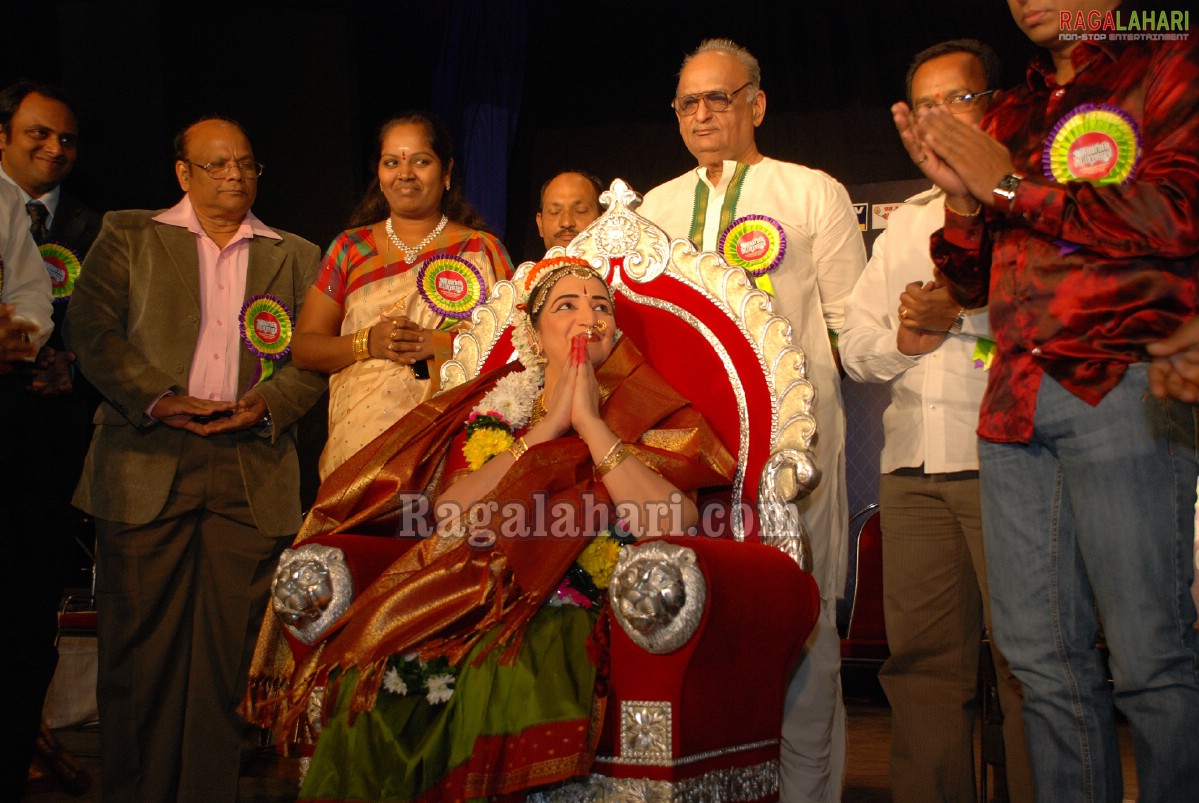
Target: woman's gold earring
column 535, row 344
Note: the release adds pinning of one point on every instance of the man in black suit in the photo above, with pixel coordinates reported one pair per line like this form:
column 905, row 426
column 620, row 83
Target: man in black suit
column 45, row 423
column 39, row 140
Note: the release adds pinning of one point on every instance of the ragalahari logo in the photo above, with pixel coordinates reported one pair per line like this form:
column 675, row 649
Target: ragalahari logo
column 1124, row 25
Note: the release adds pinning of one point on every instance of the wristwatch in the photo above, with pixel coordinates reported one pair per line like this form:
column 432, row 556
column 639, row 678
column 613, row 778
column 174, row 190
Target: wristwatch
column 1006, row 189
column 955, row 328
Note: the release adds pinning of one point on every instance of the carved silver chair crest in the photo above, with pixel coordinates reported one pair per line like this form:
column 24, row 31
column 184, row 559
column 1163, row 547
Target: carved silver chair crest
column 704, row 296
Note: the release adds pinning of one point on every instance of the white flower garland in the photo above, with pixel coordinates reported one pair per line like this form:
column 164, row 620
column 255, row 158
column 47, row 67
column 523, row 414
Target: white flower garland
column 512, row 398
column 440, row 689
column 411, row 675
column 522, row 332
column 393, row 683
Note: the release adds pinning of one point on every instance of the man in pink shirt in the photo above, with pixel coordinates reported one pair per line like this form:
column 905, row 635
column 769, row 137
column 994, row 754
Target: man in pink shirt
column 182, row 319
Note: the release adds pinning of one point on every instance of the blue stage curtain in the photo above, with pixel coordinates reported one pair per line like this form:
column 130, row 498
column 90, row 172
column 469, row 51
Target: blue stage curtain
column 477, row 92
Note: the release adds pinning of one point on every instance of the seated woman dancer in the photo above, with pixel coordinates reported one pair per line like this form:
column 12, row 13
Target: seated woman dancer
column 467, row 670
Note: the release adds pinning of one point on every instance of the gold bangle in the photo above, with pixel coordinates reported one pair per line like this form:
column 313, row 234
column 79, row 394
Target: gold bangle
column 975, row 213
column 611, row 450
column 518, row 448
column 362, row 344
column 612, row 459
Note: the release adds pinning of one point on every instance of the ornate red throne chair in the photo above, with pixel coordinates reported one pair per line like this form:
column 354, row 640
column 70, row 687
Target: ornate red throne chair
column 860, row 620
column 695, row 703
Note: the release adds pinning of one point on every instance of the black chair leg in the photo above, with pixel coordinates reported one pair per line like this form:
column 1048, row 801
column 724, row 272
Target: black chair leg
column 993, row 758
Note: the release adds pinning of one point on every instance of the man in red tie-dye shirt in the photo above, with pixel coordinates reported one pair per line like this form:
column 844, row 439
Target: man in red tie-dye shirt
column 1073, row 213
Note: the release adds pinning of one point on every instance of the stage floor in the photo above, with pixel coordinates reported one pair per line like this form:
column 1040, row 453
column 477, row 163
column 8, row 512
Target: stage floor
column 269, row 778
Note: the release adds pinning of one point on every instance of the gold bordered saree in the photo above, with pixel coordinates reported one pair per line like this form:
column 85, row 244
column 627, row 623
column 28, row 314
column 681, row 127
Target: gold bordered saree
column 443, row 597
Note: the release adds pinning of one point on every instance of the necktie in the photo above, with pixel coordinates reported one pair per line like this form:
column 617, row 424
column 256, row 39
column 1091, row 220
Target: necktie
column 37, row 220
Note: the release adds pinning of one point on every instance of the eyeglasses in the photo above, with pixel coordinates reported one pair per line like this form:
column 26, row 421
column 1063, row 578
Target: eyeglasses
column 717, row 101
column 247, row 169
column 955, row 103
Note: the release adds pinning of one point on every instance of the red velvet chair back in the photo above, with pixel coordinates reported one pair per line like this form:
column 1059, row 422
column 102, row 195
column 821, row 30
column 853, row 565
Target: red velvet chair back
column 701, row 721
column 707, row 330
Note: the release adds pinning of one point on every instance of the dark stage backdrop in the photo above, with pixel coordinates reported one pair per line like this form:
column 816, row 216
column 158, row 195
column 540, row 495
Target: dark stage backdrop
column 527, row 87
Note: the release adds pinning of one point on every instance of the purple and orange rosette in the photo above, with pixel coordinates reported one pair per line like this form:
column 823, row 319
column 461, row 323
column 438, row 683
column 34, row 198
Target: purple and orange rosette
column 450, row 286
column 1096, row 143
column 63, row 265
column 266, row 329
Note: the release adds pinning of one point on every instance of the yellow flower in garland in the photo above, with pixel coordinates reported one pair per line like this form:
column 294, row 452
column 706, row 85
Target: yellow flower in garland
column 485, row 443
column 599, row 559
column 503, row 411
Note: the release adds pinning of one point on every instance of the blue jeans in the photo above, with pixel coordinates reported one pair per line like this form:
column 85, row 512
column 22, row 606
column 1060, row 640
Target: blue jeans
column 1091, row 526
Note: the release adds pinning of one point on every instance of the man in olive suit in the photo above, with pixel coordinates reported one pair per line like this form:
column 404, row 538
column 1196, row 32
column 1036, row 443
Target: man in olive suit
column 182, row 320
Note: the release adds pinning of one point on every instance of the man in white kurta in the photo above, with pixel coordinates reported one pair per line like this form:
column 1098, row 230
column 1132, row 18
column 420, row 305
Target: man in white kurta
column 802, row 221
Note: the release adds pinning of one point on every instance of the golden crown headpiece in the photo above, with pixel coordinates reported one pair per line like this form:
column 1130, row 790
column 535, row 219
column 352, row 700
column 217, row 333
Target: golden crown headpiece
column 545, row 274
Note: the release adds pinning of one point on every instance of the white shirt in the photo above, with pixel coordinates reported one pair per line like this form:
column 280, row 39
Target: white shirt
column 25, row 283
column 933, row 414
column 824, row 257
column 49, row 200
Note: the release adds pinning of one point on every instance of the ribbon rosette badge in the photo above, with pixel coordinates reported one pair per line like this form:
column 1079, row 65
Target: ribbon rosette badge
column 1096, row 143
column 754, row 242
column 451, row 286
column 62, row 263
column 984, row 353
column 266, row 328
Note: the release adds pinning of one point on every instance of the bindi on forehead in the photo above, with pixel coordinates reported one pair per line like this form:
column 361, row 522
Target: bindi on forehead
column 575, row 287
column 408, row 153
